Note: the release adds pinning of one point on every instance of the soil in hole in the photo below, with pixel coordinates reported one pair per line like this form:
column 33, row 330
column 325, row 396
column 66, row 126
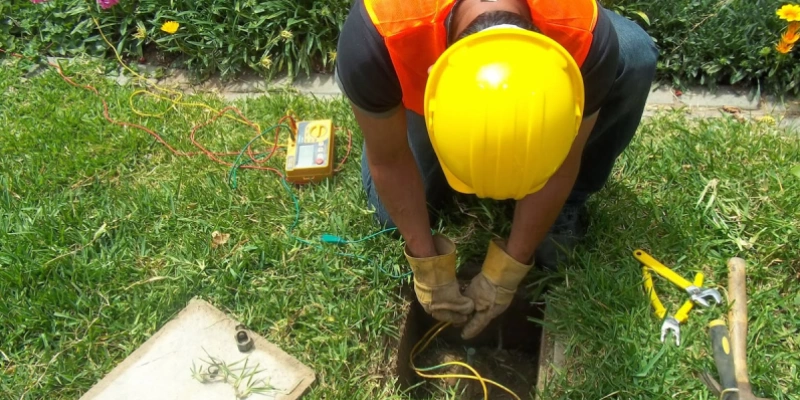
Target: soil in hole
column 506, row 351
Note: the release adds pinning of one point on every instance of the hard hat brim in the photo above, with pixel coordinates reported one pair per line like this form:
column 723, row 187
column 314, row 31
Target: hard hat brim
column 456, row 183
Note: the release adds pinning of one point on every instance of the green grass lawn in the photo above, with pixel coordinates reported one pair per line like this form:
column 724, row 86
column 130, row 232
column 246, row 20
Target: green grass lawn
column 105, row 235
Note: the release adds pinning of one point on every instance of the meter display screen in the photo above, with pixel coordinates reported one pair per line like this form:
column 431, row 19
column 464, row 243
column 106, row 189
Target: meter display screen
column 305, row 155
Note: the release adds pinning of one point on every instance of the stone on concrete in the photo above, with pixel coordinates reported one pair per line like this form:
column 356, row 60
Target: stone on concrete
column 161, row 368
column 177, row 79
column 148, row 69
column 122, row 80
column 56, row 60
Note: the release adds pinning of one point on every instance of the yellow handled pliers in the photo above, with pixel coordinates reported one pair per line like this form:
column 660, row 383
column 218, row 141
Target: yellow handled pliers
column 697, row 293
column 695, row 289
column 671, row 323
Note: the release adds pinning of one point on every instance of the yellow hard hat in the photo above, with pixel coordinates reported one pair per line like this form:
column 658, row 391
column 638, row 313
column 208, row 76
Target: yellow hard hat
column 502, row 108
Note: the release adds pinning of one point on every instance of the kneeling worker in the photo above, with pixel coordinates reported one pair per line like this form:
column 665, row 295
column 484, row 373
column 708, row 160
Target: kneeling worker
column 524, row 100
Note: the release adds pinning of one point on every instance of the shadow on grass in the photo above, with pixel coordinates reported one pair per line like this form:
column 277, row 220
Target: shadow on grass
column 595, row 302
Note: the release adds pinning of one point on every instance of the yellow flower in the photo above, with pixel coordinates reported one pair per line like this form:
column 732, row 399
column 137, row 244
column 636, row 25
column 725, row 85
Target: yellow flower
column 332, row 56
column 784, row 47
column 141, row 32
column 286, row 35
column 790, row 37
column 767, row 119
column 789, row 12
column 266, row 62
column 170, row 27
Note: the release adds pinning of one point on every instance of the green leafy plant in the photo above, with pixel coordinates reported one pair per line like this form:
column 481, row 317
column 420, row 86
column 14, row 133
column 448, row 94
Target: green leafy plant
column 214, row 36
column 226, row 37
column 705, row 42
column 716, row 42
column 61, row 27
column 630, row 12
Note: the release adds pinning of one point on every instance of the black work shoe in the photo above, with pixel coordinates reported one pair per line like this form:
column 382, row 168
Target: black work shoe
column 568, row 230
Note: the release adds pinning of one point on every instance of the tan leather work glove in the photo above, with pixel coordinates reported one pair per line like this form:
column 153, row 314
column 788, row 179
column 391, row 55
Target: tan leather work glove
column 436, row 286
column 493, row 288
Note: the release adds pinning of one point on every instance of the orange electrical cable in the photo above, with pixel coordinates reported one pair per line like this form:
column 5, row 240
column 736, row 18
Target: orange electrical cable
column 257, row 161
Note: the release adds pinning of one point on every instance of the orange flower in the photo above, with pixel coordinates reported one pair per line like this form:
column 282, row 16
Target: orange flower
column 784, row 47
column 789, row 12
column 793, row 27
column 790, row 37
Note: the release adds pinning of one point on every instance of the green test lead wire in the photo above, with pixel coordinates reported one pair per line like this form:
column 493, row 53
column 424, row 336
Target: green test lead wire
column 325, row 238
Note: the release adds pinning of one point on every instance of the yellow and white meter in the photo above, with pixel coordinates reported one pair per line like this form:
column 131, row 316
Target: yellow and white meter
column 309, row 158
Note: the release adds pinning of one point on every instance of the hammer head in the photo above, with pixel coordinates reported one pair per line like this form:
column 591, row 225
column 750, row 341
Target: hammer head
column 716, row 388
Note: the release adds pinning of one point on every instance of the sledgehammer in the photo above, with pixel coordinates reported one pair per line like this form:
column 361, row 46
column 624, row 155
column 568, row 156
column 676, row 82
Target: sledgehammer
column 737, row 317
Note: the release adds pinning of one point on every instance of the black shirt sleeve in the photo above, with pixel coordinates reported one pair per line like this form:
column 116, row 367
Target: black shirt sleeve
column 364, row 69
column 599, row 70
column 366, row 76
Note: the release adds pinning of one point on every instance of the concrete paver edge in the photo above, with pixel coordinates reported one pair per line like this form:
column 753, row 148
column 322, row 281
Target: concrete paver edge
column 700, row 102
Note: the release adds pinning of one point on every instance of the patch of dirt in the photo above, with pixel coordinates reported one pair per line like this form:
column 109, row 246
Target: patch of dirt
column 514, row 369
column 506, row 351
column 153, row 56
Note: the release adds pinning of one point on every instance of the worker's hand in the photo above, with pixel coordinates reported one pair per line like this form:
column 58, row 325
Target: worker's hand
column 436, row 286
column 493, row 288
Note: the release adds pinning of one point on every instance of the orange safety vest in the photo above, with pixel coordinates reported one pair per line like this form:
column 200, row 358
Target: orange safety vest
column 415, row 34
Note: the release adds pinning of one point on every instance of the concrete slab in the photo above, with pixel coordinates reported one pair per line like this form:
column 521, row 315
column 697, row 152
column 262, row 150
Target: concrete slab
column 552, row 359
column 786, row 107
column 233, row 96
column 790, row 125
column 317, row 84
column 324, row 86
column 661, row 96
column 719, row 98
column 252, row 85
column 699, row 102
column 161, row 369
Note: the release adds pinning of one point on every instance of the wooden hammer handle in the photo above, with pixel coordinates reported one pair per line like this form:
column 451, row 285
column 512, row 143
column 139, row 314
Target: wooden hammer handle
column 737, row 297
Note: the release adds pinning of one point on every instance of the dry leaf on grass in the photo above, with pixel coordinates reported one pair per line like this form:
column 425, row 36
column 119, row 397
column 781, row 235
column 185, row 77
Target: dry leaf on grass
column 736, row 112
column 731, row 109
column 218, row 239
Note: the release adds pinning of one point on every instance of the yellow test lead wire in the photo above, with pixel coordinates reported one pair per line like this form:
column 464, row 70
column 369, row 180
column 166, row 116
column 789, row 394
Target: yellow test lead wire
column 423, row 343
column 174, row 99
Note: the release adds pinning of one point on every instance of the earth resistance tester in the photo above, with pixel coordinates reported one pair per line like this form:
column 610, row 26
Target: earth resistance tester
column 309, row 157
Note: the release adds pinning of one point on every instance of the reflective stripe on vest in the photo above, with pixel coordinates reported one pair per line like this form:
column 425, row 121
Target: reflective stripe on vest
column 415, row 34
